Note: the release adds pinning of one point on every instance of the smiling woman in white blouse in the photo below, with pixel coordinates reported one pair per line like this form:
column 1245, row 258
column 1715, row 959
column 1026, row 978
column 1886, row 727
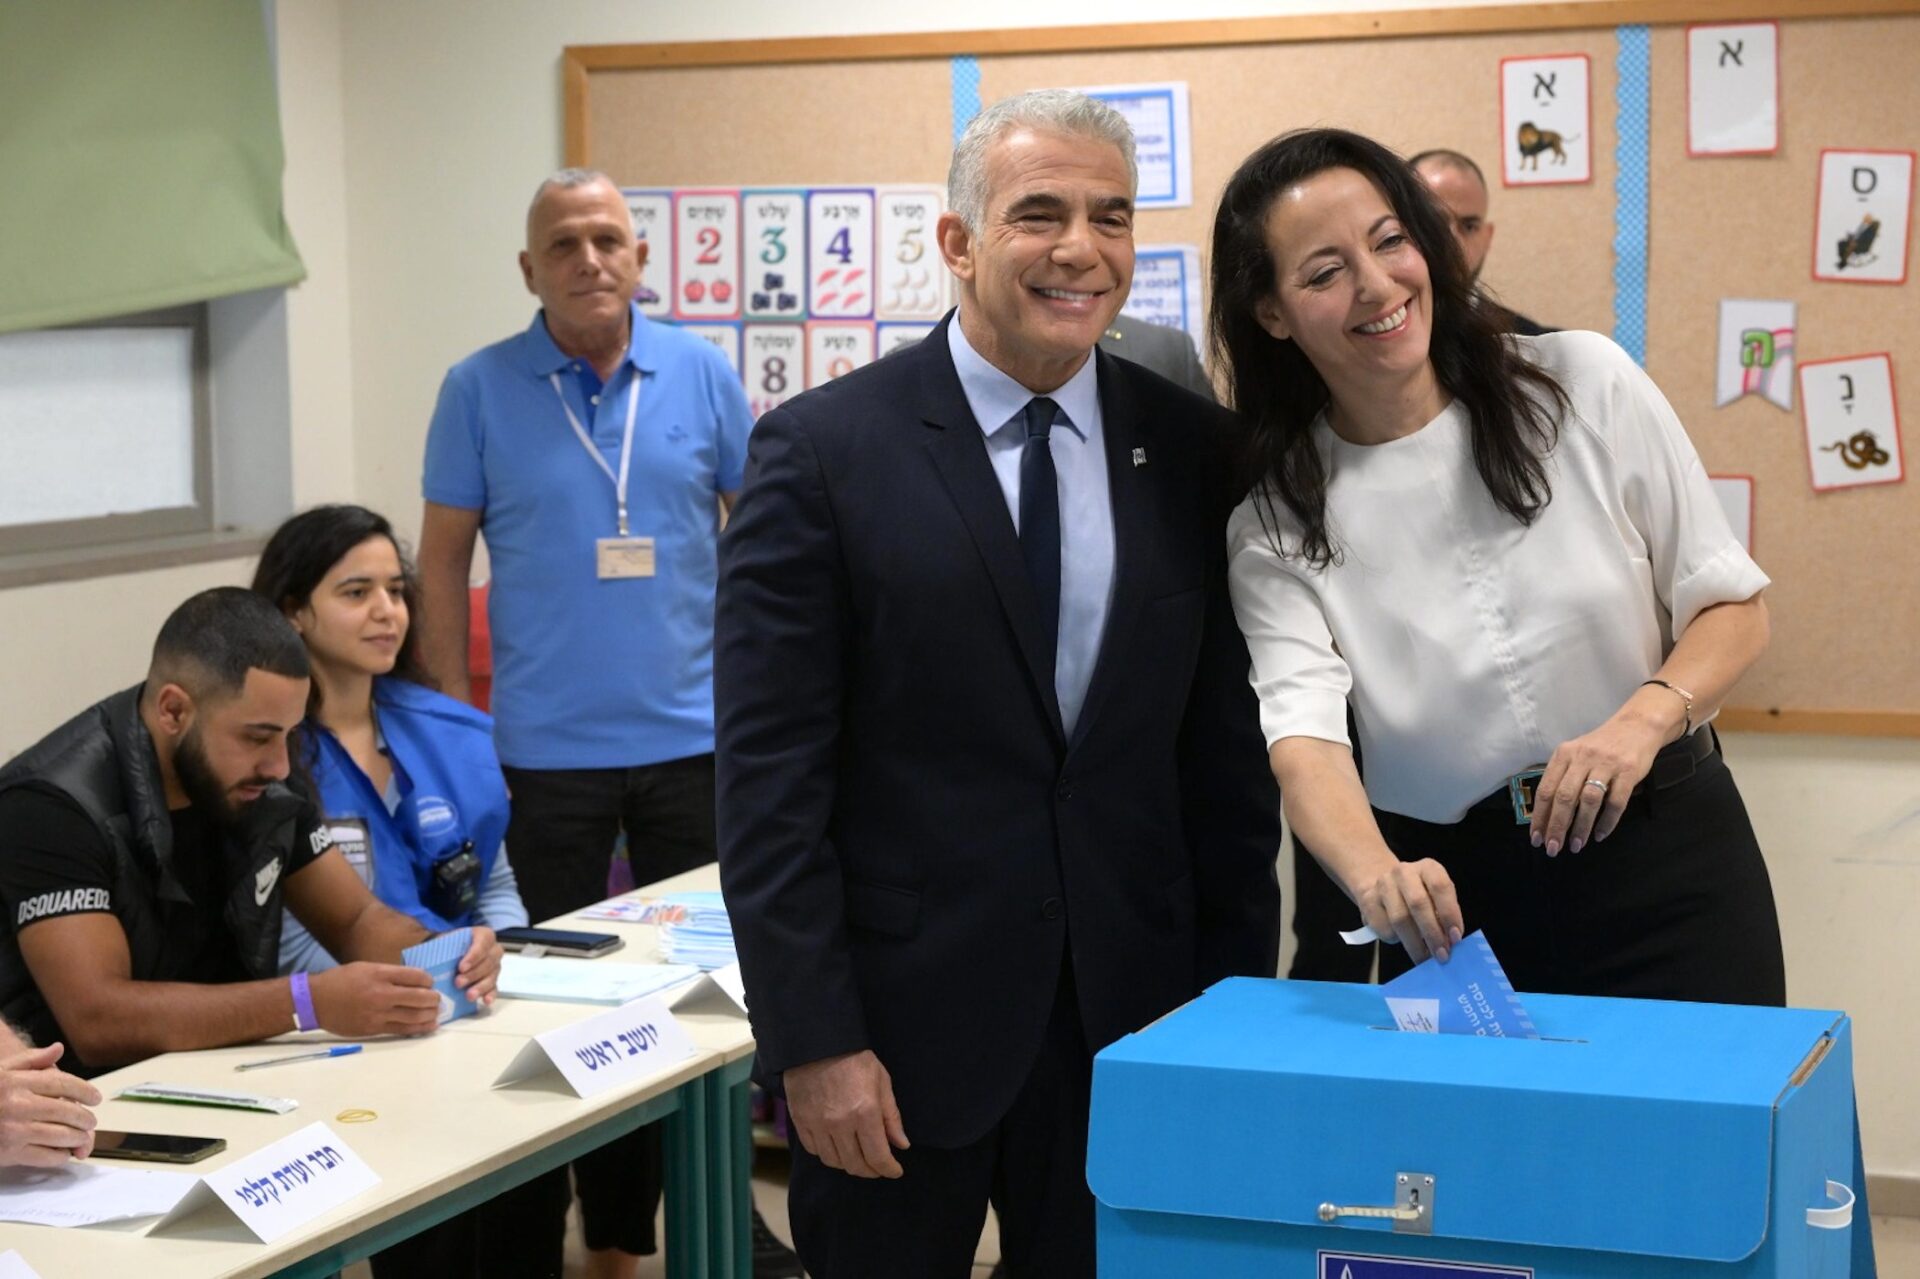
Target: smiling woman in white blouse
column 1506, row 553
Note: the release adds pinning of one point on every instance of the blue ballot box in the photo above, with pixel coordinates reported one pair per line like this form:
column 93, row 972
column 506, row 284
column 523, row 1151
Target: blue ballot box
column 1277, row 1128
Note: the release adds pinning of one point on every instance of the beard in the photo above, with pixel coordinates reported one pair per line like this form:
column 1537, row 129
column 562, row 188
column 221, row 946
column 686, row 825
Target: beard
column 203, row 787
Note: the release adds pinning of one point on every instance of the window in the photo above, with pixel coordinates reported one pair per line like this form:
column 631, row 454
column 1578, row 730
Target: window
column 106, row 428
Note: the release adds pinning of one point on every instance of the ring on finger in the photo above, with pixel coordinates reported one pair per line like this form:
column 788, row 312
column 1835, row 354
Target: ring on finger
column 1598, row 783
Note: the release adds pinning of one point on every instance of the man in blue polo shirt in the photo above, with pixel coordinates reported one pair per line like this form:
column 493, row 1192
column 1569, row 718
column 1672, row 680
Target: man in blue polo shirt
column 594, row 452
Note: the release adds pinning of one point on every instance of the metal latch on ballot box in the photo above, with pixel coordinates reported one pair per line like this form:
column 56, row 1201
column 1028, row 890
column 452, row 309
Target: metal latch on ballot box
column 1412, row 1211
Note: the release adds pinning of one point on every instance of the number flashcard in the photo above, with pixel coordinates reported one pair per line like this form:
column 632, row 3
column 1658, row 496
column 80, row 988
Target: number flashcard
column 840, row 284
column 725, row 337
column 892, row 337
column 1545, row 120
column 775, row 365
column 776, row 254
column 706, row 261
column 913, row 278
column 653, row 222
column 836, row 348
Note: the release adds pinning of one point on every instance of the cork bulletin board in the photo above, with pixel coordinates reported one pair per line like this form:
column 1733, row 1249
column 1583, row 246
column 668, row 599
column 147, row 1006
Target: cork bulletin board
column 1845, row 600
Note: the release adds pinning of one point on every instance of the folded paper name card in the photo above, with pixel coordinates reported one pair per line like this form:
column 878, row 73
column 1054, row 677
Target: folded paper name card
column 14, row 1266
column 277, row 1188
column 604, row 1051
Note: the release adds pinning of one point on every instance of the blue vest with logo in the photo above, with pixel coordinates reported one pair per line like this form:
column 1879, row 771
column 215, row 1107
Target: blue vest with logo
column 451, row 792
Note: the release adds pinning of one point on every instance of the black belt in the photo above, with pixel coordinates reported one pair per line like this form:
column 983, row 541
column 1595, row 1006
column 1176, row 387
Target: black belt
column 1675, row 763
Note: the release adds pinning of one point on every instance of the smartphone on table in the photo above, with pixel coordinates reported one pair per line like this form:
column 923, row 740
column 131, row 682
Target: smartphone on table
column 560, row 941
column 155, row 1147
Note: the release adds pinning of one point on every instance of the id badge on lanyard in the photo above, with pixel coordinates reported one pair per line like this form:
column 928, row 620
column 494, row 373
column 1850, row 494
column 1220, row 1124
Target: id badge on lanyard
column 624, row 555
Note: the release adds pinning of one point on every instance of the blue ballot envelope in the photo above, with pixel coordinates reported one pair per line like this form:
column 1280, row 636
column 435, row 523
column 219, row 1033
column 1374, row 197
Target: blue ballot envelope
column 1277, row 1128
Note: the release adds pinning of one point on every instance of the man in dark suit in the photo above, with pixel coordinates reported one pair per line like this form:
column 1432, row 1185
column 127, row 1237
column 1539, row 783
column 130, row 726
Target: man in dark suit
column 1168, row 352
column 992, row 786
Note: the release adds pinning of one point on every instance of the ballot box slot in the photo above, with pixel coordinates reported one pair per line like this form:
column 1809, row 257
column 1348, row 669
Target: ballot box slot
column 1543, row 1039
column 1412, row 1210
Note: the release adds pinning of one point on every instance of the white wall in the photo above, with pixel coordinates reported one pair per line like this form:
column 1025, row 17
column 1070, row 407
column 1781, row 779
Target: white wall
column 415, row 132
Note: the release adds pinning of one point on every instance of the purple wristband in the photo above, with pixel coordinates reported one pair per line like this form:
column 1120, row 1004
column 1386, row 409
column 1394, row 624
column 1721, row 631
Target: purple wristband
column 303, row 1014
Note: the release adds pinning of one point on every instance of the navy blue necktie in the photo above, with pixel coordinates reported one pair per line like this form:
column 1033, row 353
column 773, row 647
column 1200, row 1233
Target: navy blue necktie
column 1040, row 517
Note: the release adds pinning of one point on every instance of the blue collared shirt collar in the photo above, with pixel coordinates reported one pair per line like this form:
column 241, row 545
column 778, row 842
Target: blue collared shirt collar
column 996, row 399
column 544, row 356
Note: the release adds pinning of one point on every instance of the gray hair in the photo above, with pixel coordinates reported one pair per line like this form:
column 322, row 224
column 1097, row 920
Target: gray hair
column 566, row 180
column 1044, row 110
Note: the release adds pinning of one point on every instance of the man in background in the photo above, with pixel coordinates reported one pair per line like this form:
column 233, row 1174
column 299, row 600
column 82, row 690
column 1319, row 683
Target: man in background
column 1167, row 351
column 595, row 451
column 1456, row 181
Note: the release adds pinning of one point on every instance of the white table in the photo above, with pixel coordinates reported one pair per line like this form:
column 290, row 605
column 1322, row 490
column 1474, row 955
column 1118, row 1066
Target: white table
column 441, row 1139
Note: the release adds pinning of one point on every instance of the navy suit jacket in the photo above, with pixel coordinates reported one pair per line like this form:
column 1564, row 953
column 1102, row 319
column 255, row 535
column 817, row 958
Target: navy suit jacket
column 908, row 842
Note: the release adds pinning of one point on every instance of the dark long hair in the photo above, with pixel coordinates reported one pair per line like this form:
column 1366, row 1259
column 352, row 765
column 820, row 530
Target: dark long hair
column 304, row 550
column 1278, row 392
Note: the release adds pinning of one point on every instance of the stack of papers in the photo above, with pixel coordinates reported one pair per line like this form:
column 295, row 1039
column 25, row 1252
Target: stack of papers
column 582, row 981
column 698, row 932
column 85, row 1194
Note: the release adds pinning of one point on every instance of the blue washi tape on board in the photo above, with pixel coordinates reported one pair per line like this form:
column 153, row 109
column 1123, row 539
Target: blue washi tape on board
column 965, row 71
column 1634, row 68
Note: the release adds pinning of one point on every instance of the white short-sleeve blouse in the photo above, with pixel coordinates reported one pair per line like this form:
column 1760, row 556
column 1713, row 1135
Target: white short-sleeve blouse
column 1472, row 645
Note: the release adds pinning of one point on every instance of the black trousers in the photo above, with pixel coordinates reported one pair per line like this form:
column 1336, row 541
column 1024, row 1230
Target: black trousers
column 561, row 837
column 1320, row 913
column 1675, row 904
column 1031, row 1166
column 518, row 1234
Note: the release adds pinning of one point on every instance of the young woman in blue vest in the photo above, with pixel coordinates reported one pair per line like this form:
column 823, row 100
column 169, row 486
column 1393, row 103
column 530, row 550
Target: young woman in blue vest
column 412, row 794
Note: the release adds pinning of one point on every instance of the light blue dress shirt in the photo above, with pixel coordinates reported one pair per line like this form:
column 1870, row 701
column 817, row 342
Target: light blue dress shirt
column 1086, row 503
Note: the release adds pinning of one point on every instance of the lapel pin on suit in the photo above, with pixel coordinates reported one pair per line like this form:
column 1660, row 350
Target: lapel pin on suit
column 1139, row 457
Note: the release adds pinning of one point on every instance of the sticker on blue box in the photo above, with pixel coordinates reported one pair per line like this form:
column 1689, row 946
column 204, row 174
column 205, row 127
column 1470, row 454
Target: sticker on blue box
column 440, row 956
column 1467, row 995
column 1358, row 1265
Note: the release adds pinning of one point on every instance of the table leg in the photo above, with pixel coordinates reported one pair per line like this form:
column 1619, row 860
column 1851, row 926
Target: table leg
column 730, row 1172
column 689, row 1219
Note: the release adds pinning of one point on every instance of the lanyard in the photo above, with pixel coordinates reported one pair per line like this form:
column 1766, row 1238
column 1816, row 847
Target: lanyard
column 626, row 442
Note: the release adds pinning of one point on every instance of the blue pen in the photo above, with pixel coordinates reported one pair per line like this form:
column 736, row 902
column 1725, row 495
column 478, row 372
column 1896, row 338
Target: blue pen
column 344, row 1050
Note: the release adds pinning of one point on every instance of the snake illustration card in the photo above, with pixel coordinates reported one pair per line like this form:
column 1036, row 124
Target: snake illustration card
column 1853, row 422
